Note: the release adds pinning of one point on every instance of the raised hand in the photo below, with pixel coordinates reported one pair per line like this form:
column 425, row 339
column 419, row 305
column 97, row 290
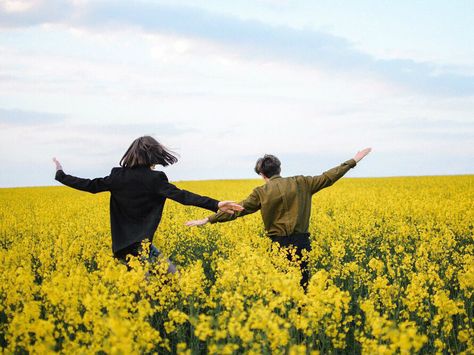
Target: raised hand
column 197, row 222
column 229, row 207
column 361, row 154
column 58, row 164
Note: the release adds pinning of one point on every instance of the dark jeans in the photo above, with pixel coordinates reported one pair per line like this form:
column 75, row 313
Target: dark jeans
column 135, row 250
column 301, row 242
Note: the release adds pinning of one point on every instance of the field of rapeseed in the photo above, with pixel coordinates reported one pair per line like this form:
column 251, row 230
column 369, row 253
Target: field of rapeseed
column 392, row 272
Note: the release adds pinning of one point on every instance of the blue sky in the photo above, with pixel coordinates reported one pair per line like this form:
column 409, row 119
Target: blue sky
column 223, row 83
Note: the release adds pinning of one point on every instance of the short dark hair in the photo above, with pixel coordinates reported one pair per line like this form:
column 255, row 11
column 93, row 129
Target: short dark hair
column 147, row 151
column 269, row 165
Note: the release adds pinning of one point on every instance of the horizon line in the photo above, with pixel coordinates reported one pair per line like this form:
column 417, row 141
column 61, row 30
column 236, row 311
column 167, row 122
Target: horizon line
column 245, row 179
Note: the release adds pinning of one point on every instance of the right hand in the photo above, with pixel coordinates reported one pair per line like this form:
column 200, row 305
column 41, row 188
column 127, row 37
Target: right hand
column 197, row 222
column 58, row 164
column 361, row 154
column 229, row 207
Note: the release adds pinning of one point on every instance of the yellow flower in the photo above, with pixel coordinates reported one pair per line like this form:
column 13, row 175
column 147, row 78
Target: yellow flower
column 391, row 263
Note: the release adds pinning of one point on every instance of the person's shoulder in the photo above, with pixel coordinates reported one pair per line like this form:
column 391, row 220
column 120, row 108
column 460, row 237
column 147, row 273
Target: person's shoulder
column 150, row 173
column 263, row 189
column 137, row 171
column 294, row 178
column 299, row 179
column 158, row 174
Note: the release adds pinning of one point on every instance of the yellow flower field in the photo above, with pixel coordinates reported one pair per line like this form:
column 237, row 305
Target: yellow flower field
column 392, row 272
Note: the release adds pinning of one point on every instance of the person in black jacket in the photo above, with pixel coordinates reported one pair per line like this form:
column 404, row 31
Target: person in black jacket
column 138, row 195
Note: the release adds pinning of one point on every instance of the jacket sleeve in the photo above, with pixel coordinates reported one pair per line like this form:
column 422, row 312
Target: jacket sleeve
column 88, row 185
column 251, row 205
column 167, row 190
column 329, row 177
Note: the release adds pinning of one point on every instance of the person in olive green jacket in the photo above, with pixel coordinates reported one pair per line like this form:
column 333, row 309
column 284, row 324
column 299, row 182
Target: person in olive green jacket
column 285, row 203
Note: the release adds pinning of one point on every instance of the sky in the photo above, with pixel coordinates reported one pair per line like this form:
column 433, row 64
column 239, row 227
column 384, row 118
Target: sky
column 224, row 82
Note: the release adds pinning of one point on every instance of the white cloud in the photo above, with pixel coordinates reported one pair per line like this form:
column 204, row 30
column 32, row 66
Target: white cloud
column 219, row 107
column 13, row 6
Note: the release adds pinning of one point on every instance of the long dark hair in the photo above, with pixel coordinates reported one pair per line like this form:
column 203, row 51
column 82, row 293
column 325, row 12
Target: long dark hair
column 147, row 151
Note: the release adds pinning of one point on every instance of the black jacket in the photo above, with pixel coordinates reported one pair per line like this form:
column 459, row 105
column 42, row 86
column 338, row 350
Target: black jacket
column 137, row 199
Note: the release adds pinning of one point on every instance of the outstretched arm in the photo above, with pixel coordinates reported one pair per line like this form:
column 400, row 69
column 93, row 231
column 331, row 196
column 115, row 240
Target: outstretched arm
column 88, row 185
column 329, row 177
column 165, row 189
column 250, row 205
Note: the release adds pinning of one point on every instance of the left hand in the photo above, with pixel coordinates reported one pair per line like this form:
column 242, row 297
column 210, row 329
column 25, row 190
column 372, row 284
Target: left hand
column 361, row 154
column 58, row 164
column 197, row 222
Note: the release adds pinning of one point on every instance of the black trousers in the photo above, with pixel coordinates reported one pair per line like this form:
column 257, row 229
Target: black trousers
column 135, row 250
column 301, row 242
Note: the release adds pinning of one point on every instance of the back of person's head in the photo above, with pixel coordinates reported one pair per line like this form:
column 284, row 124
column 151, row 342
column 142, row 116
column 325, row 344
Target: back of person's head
column 269, row 166
column 147, row 151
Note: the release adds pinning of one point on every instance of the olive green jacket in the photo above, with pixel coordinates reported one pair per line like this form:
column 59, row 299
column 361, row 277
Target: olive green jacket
column 285, row 203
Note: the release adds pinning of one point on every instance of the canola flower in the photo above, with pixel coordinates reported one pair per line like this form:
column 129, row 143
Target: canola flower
column 392, row 266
